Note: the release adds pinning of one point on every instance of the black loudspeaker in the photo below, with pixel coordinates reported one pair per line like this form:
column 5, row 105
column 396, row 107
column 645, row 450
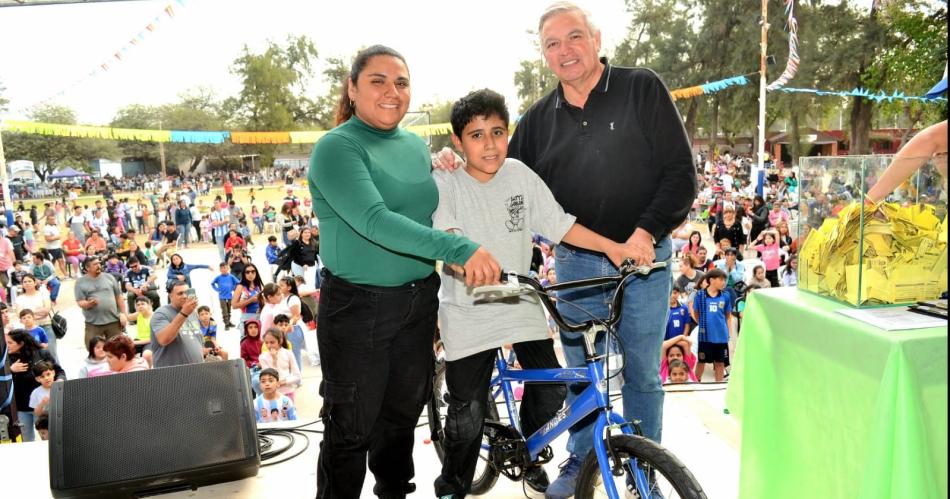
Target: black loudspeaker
column 155, row 431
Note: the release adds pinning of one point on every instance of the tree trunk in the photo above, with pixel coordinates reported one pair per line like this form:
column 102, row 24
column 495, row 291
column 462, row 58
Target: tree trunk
column 794, row 139
column 912, row 120
column 691, row 112
column 862, row 111
column 714, row 127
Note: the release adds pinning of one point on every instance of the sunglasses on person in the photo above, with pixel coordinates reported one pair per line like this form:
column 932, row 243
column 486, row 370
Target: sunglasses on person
column 252, row 271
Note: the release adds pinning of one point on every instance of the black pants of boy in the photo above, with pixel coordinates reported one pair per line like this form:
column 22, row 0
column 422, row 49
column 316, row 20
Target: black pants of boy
column 467, row 381
column 226, row 312
column 376, row 356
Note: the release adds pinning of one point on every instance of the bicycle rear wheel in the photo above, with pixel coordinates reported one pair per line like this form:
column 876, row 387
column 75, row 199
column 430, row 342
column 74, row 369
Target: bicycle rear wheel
column 647, row 466
column 485, row 474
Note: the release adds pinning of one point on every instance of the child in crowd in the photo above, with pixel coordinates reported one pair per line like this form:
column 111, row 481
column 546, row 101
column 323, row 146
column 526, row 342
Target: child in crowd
column 224, row 283
column 771, row 256
column 96, row 359
column 272, row 305
column 205, row 229
column 45, row 374
column 251, row 343
column 679, row 372
column 279, row 358
column 677, row 349
column 142, row 317
column 150, row 254
column 282, row 323
column 209, row 330
column 759, row 280
column 272, row 251
column 28, row 239
column 678, row 321
column 29, row 323
column 42, row 426
column 271, row 405
column 712, row 311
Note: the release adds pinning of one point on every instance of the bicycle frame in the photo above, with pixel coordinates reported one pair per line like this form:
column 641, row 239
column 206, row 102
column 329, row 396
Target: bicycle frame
column 594, row 398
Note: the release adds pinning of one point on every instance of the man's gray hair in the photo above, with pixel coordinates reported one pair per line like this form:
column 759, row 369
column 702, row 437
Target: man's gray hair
column 177, row 283
column 557, row 8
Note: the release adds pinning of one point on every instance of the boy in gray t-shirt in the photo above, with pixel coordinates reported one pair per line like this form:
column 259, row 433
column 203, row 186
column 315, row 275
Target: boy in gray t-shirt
column 500, row 203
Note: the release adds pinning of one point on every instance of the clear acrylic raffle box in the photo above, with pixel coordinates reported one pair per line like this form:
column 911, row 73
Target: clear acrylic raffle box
column 891, row 253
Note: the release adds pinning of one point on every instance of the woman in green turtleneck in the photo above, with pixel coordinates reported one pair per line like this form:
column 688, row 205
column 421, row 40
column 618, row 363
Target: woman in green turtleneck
column 374, row 196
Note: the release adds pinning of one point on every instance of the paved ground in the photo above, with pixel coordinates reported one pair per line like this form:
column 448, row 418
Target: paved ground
column 695, row 426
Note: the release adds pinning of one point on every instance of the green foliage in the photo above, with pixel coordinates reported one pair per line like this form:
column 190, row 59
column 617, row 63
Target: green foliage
column 534, row 80
column 4, row 102
column 49, row 153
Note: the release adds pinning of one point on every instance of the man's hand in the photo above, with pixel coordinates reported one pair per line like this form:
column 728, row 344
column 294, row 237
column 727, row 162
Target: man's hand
column 616, row 252
column 481, row 268
column 123, row 319
column 446, row 159
column 641, row 246
column 190, row 305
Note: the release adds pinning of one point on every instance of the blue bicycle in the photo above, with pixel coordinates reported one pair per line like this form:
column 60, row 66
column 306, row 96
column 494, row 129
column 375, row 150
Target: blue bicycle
column 622, row 463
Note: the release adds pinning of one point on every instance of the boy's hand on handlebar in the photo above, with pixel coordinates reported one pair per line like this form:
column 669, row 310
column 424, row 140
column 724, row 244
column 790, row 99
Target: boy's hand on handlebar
column 481, row 268
column 641, row 248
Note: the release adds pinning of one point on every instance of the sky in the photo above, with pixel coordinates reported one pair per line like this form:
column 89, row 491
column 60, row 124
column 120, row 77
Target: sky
column 451, row 47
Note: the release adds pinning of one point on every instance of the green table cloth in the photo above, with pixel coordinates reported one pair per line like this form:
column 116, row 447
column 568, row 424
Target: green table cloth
column 831, row 407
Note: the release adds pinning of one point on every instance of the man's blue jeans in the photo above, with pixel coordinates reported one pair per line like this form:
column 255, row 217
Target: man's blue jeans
column 641, row 330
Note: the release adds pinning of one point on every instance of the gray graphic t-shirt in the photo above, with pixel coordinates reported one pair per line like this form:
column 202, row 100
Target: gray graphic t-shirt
column 502, row 215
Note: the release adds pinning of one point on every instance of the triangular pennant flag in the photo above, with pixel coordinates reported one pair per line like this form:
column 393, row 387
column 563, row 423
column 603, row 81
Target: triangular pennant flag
column 170, row 11
column 150, row 27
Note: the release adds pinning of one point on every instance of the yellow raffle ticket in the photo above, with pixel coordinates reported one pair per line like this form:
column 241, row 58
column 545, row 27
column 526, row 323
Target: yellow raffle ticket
column 901, row 258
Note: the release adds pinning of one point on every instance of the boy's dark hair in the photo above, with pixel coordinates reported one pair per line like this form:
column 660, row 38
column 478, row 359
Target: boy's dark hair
column 281, row 318
column 204, row 308
column 148, row 244
column 224, row 264
column 25, row 311
column 41, row 367
column 272, row 239
column 483, row 103
column 716, row 274
column 42, row 422
column 143, row 299
column 270, row 371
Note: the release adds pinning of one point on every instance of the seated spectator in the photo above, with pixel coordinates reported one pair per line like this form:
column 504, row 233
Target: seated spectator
column 42, row 269
column 120, row 355
column 178, row 270
column 702, row 263
column 97, row 243
column 677, row 349
column 116, row 268
column 72, row 247
column 96, row 360
column 45, row 374
column 271, row 405
column 140, row 281
column 789, row 273
column 251, row 343
column 42, row 426
column 758, row 278
column 679, row 372
column 143, row 328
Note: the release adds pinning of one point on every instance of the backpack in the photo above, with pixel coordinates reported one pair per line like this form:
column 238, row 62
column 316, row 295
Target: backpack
column 59, row 325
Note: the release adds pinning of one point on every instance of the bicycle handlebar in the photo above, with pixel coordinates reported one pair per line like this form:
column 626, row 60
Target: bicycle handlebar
column 520, row 284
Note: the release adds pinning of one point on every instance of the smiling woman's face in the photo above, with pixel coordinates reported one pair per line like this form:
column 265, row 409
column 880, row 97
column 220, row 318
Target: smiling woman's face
column 381, row 93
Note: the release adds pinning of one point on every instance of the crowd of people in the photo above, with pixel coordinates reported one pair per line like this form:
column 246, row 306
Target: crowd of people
column 134, row 288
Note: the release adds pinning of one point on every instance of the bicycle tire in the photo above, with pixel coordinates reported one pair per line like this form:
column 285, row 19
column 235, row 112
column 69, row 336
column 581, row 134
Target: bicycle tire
column 483, row 480
column 649, row 455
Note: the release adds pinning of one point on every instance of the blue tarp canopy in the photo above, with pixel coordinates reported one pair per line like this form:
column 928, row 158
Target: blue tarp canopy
column 68, row 173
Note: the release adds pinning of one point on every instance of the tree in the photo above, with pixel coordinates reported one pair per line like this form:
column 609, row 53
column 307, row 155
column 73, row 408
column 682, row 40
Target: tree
column 335, row 75
column 49, row 152
column 534, row 80
column 274, row 83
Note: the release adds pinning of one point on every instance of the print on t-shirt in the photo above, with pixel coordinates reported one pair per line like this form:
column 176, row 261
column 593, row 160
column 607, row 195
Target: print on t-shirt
column 515, row 206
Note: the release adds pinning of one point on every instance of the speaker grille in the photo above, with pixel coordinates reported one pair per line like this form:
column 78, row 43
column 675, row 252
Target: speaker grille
column 153, row 423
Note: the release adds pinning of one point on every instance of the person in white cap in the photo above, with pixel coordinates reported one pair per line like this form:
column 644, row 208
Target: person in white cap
column 929, row 144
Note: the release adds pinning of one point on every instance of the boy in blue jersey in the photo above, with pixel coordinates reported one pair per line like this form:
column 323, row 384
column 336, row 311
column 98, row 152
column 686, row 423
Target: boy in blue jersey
column 224, row 283
column 272, row 406
column 712, row 310
column 679, row 321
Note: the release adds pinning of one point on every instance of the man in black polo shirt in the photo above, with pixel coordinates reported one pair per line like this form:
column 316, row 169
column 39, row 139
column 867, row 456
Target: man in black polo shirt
column 611, row 146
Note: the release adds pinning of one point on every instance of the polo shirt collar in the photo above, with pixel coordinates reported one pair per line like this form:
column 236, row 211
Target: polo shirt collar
column 602, row 85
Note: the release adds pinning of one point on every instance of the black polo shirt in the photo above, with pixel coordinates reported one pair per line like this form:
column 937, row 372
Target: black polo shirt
column 621, row 162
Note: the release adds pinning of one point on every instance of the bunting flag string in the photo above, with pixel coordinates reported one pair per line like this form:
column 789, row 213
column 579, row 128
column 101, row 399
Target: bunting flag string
column 312, row 136
column 791, row 67
column 121, row 54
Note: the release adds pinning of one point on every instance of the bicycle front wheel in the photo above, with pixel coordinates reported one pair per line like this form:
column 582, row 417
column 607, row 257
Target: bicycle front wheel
column 485, row 474
column 647, row 467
